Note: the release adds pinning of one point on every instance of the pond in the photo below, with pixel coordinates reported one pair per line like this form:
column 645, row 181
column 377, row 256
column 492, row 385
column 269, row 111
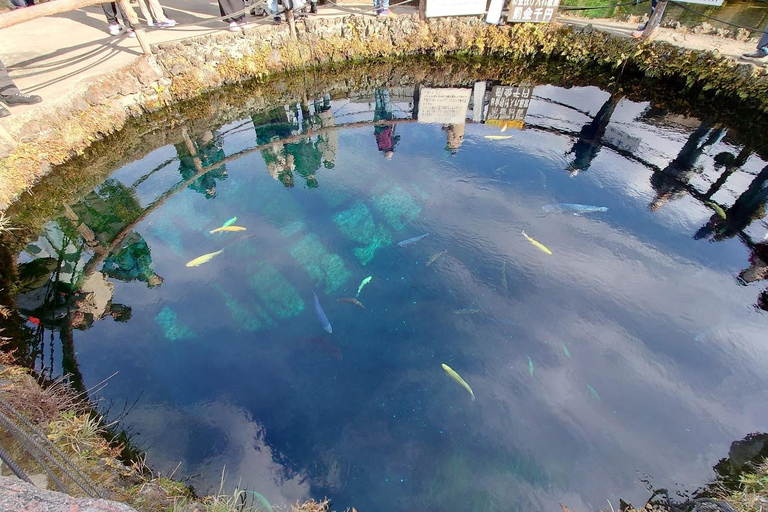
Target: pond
column 489, row 296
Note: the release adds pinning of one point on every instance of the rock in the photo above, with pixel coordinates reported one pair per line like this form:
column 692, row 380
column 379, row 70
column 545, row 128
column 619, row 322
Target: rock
column 155, row 495
column 18, row 495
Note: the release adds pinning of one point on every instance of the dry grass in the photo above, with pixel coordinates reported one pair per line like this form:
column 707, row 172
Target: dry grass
column 753, row 493
column 5, row 224
column 40, row 404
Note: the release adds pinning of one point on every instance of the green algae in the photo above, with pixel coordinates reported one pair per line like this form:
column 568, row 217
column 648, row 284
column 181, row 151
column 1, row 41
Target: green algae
column 275, row 291
column 173, row 328
column 358, row 225
column 323, row 267
column 397, row 206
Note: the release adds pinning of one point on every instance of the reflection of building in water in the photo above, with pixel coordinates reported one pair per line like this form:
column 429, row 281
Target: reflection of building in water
column 587, row 146
column 386, row 140
column 209, row 152
column 454, row 134
column 670, row 183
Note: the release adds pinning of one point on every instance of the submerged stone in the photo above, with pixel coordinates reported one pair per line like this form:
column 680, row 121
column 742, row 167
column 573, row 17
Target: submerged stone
column 173, row 328
column 358, row 225
column 248, row 318
column 397, row 206
column 277, row 293
column 323, row 267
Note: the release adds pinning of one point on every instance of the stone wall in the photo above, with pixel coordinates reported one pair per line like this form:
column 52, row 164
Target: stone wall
column 56, row 131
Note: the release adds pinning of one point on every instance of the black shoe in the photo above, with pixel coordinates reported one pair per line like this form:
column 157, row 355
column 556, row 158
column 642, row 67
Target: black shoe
column 21, row 99
column 313, row 8
column 4, row 112
column 761, row 54
column 277, row 20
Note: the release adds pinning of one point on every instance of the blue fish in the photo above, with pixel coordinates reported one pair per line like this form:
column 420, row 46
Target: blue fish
column 321, row 315
column 576, row 209
column 411, row 240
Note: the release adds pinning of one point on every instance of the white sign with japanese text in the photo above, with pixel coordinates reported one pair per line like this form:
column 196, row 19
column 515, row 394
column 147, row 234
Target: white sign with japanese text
column 437, row 8
column 532, row 11
column 710, row 3
column 444, row 106
column 509, row 103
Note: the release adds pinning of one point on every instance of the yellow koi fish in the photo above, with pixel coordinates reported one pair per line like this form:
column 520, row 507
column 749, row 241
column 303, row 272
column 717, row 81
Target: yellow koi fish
column 537, row 244
column 455, row 376
column 504, row 128
column 498, row 137
column 226, row 228
column 203, row 259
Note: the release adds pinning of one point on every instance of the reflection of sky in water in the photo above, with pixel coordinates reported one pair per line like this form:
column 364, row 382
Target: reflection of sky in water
column 653, row 321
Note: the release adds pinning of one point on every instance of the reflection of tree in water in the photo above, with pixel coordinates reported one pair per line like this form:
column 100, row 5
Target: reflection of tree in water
column 208, row 149
column 305, row 156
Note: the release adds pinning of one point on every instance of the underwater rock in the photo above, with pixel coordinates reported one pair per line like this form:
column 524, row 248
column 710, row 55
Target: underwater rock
column 275, row 291
column 397, row 206
column 322, row 266
column 358, row 225
column 173, row 328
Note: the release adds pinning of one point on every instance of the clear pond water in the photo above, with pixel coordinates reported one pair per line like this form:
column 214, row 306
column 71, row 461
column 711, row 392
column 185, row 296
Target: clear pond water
column 635, row 350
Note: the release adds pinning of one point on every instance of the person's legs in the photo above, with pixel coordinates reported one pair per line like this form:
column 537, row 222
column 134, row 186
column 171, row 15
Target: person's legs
column 110, row 11
column 761, row 53
column 383, row 7
column 159, row 14
column 11, row 94
column 145, row 12
column 272, row 6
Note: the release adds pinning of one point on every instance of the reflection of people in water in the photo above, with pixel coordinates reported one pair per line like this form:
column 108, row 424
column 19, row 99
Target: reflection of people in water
column 209, row 151
column 670, row 183
column 384, row 133
column 454, row 134
column 749, row 207
column 133, row 262
column 588, row 145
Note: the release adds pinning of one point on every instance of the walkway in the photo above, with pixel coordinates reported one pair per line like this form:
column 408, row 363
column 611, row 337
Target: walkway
column 52, row 56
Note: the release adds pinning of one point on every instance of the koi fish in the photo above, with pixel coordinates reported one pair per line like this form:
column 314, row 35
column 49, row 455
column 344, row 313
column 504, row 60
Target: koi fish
column 537, row 244
column 362, row 284
column 263, row 502
column 321, row 315
column 204, row 258
column 504, row 128
column 226, row 228
column 498, row 137
column 229, row 222
column 455, row 376
column 576, row 209
column 411, row 240
column 327, row 347
column 718, row 210
column 467, row 311
column 435, row 256
column 530, row 365
column 34, row 320
column 593, row 393
column 565, row 349
column 353, row 301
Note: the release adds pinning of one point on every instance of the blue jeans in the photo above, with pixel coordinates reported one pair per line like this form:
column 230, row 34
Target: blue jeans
column 272, row 5
column 763, row 40
column 380, row 5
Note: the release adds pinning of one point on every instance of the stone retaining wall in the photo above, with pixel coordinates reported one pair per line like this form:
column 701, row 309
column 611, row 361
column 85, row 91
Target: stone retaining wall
column 51, row 134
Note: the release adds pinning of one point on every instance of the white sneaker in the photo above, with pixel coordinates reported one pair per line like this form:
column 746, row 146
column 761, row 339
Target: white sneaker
column 115, row 29
column 234, row 27
column 167, row 23
column 131, row 33
column 150, row 24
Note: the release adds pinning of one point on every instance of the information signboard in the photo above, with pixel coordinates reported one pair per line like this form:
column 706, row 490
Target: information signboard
column 437, row 8
column 532, row 11
column 509, row 103
column 444, row 106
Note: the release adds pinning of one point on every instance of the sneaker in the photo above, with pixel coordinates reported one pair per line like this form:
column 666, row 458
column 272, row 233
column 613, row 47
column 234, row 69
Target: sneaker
column 234, row 27
column 642, row 27
column 313, row 8
column 167, row 23
column 385, row 12
column 151, row 23
column 131, row 33
column 760, row 54
column 115, row 29
column 21, row 99
column 277, row 20
column 4, row 112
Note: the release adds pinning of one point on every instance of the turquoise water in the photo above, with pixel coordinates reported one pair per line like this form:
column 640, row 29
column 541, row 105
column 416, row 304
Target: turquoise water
column 634, row 348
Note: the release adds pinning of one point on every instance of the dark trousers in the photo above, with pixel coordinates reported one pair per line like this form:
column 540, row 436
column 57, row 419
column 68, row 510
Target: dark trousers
column 7, row 87
column 229, row 7
column 111, row 10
